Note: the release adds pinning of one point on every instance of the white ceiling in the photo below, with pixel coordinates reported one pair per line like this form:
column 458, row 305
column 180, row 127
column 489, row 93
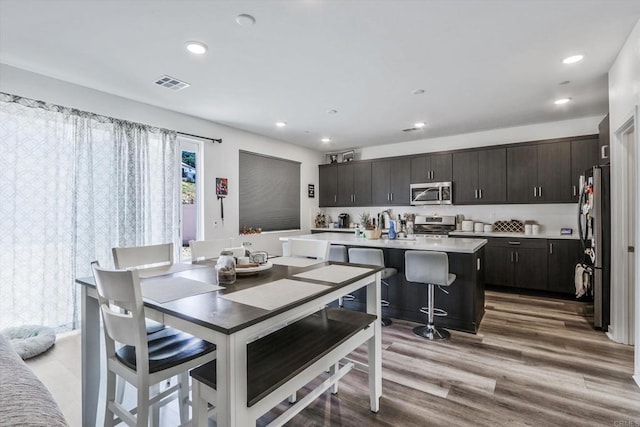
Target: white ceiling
column 482, row 64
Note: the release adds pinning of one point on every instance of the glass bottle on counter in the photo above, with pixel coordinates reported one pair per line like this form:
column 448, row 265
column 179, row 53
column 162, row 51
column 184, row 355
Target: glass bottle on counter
column 247, row 248
column 392, row 231
column 226, row 268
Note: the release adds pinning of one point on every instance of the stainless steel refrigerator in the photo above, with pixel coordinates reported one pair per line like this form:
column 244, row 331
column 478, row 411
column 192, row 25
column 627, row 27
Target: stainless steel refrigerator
column 594, row 226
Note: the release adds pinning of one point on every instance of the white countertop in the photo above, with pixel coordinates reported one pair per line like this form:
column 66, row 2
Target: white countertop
column 472, row 234
column 448, row 244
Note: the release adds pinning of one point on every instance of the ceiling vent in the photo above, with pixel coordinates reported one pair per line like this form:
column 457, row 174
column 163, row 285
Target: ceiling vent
column 411, row 129
column 171, row 83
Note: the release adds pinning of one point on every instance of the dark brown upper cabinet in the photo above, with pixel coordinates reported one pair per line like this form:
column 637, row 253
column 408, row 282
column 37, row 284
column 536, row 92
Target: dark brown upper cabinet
column 354, row 184
column 431, row 168
column 480, row 176
column 584, row 154
column 603, row 142
column 539, row 173
column 328, row 185
column 390, row 180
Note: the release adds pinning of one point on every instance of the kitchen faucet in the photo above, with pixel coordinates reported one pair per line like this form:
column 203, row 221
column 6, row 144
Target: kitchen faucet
column 384, row 217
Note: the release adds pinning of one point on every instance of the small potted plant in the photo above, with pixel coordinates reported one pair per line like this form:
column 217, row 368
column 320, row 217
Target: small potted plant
column 370, row 232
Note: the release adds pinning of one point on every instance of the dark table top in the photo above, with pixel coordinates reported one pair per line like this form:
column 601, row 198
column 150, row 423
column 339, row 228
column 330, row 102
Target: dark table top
column 226, row 316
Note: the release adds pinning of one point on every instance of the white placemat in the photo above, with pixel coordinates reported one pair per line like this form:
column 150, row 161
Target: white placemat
column 145, row 273
column 275, row 294
column 333, row 273
column 294, row 262
column 173, row 288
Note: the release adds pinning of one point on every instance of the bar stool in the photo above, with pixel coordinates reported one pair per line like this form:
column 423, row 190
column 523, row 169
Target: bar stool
column 374, row 257
column 429, row 268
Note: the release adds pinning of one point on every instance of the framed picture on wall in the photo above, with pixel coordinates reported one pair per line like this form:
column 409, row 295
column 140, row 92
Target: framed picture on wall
column 348, row 156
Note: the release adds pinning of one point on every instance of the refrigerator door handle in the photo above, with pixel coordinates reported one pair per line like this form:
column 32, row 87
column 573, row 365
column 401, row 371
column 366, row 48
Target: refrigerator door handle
column 580, row 215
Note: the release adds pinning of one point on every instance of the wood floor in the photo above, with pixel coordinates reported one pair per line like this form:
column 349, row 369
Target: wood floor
column 535, row 361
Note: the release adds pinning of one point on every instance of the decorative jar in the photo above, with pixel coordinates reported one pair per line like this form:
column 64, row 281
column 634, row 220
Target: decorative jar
column 226, row 268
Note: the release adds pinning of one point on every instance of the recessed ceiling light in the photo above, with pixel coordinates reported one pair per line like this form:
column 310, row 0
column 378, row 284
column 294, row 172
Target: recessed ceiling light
column 419, row 125
column 281, row 124
column 195, row 47
column 561, row 101
column 245, row 20
column 332, row 111
column 325, row 140
column 572, row 59
column 418, row 92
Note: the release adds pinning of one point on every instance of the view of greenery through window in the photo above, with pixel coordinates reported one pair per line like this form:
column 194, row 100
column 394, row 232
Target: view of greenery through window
column 188, row 177
column 188, row 201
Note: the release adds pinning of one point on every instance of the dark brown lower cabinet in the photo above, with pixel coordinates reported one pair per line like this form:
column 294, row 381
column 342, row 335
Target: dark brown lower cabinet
column 498, row 265
column 530, row 267
column 540, row 264
column 562, row 260
column 517, row 263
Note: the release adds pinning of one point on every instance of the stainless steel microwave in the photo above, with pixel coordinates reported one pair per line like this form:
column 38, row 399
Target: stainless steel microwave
column 432, row 193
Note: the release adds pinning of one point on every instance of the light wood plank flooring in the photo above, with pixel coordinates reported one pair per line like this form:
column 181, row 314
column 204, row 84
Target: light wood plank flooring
column 535, row 361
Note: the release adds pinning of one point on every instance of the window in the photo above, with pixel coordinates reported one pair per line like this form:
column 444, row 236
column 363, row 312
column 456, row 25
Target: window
column 190, row 203
column 269, row 191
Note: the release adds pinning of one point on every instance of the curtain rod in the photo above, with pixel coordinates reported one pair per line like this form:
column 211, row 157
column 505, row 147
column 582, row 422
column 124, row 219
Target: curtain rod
column 218, row 140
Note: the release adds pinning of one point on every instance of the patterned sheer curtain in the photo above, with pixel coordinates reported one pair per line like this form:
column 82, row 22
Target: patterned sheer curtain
column 72, row 186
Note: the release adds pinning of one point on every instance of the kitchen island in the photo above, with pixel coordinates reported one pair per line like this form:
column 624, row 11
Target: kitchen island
column 465, row 300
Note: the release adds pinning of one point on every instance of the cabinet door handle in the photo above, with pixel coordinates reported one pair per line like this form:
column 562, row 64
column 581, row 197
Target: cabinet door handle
column 480, row 192
column 516, row 256
column 335, row 198
column 550, row 248
column 388, row 196
column 535, row 192
column 433, row 174
column 539, row 191
column 511, row 256
column 475, row 194
column 391, row 196
column 575, row 191
column 514, row 243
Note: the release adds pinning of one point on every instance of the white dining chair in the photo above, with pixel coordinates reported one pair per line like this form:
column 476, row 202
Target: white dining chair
column 318, row 249
column 139, row 256
column 207, row 249
column 142, row 360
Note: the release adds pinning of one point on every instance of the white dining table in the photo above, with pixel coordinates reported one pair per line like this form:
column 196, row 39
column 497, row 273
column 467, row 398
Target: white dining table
column 232, row 322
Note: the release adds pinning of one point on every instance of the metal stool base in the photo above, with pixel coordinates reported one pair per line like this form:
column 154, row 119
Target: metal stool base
column 431, row 332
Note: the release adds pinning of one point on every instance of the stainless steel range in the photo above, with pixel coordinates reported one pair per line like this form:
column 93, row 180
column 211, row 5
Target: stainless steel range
column 434, row 226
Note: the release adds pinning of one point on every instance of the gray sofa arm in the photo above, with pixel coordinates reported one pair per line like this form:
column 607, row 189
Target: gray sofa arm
column 24, row 400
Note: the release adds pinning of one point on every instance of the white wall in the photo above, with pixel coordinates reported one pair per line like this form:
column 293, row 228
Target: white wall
column 220, row 160
column 551, row 217
column 559, row 129
column 624, row 101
